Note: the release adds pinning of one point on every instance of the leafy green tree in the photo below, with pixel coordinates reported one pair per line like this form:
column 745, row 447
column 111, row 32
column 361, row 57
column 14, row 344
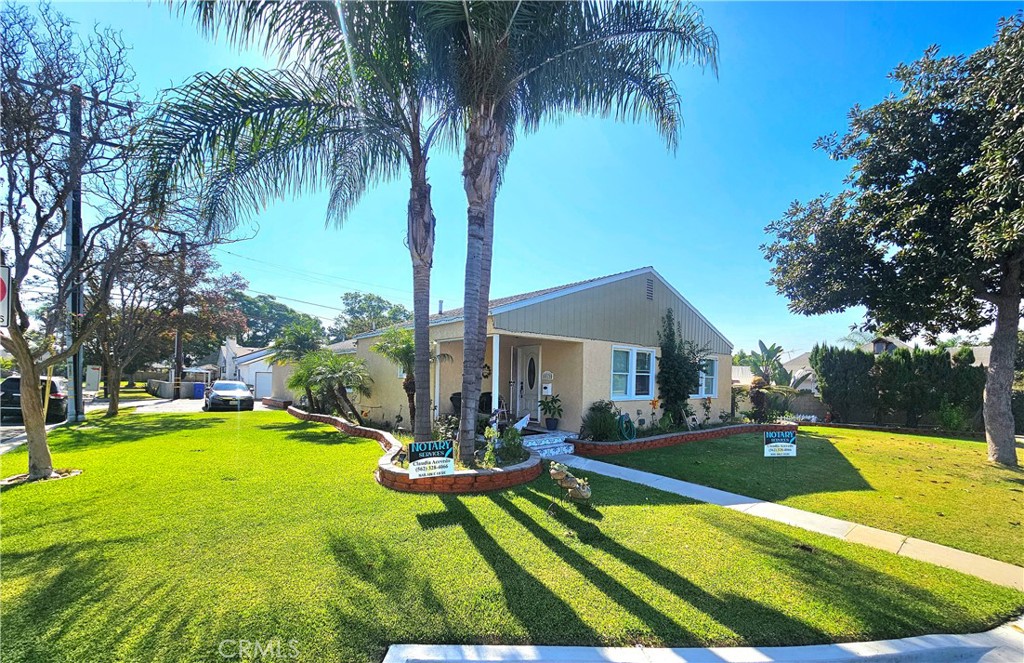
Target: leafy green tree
column 328, row 377
column 844, row 379
column 366, row 312
column 354, row 104
column 265, row 318
column 679, row 369
column 741, row 358
column 297, row 340
column 517, row 64
column 929, row 237
column 912, row 381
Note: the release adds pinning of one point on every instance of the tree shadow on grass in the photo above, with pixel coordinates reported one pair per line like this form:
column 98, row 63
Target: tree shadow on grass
column 99, row 433
column 388, row 599
column 744, row 616
column 314, row 433
column 545, row 616
column 737, row 464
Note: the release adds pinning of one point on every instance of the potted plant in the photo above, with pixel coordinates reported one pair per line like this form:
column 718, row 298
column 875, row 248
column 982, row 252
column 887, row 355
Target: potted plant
column 551, row 406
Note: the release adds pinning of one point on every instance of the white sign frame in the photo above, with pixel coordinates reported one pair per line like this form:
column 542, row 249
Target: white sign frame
column 432, row 463
column 777, row 444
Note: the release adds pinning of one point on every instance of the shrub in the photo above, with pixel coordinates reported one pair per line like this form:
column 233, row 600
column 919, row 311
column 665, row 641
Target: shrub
column 600, row 423
column 679, row 368
column 512, row 450
column 953, row 417
column 446, row 428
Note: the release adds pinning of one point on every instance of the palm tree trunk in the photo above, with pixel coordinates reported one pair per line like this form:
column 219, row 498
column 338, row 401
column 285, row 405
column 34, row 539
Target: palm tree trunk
column 309, row 397
column 409, row 384
column 421, row 247
column 113, row 384
column 343, row 394
column 480, row 177
column 998, row 404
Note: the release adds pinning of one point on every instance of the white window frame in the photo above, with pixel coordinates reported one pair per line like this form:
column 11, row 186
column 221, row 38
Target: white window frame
column 701, row 393
column 630, row 394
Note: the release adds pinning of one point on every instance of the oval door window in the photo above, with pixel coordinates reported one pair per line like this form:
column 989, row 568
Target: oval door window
column 531, row 373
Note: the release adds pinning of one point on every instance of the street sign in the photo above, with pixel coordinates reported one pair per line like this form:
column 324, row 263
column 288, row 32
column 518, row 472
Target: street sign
column 778, row 443
column 431, row 459
column 5, row 296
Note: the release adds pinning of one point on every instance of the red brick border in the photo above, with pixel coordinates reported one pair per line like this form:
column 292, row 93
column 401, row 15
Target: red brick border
column 397, row 478
column 276, row 403
column 591, row 448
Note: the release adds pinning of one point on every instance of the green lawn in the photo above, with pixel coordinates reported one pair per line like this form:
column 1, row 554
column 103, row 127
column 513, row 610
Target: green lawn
column 938, row 489
column 188, row 530
column 136, row 394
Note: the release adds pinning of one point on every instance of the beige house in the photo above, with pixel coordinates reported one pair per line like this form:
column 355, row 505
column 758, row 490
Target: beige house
column 586, row 341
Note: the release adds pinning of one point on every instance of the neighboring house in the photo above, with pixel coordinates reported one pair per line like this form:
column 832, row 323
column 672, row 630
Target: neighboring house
column 801, row 365
column 586, row 341
column 228, row 355
column 882, row 344
column 254, row 369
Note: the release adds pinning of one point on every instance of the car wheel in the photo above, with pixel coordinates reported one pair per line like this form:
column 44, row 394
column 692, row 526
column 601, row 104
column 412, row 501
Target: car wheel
column 206, row 408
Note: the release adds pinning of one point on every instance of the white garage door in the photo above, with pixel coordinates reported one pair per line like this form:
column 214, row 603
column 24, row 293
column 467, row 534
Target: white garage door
column 264, row 382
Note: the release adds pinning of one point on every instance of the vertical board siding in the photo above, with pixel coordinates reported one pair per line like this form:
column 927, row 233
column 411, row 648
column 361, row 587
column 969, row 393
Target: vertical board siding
column 618, row 311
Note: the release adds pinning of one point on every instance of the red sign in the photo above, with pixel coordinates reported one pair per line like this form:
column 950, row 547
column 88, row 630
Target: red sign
column 5, row 301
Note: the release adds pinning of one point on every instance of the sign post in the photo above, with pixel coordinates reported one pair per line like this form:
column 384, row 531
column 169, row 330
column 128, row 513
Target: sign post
column 5, row 296
column 431, row 459
column 779, row 443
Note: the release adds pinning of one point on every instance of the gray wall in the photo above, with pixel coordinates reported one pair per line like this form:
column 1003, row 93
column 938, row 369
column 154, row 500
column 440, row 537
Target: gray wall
column 618, row 311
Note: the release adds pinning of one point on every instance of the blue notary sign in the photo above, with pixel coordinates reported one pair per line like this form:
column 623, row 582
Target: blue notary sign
column 779, row 443
column 435, row 458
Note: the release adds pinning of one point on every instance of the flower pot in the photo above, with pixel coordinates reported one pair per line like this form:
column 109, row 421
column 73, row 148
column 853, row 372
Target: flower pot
column 551, row 423
column 568, row 481
column 580, row 493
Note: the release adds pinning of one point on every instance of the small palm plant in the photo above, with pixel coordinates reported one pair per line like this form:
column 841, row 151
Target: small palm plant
column 398, row 345
column 328, row 378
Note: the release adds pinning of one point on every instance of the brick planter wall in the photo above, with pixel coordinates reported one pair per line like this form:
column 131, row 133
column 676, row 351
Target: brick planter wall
column 396, row 477
column 591, row 448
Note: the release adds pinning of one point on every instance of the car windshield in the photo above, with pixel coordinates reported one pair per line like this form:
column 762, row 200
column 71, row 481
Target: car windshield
column 229, row 386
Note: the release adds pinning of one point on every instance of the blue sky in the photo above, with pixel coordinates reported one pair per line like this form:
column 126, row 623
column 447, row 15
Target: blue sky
column 591, row 197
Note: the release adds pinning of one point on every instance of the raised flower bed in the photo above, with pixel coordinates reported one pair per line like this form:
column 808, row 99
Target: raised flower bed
column 594, row 448
column 396, row 477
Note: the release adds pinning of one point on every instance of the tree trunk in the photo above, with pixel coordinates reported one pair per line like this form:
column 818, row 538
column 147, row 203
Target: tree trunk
column 113, row 384
column 309, row 397
column 40, row 463
column 343, row 394
column 484, row 145
column 409, row 384
column 998, row 405
column 420, row 233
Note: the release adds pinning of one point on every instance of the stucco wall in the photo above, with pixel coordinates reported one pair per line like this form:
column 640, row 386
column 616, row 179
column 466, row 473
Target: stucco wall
column 279, row 389
column 387, row 398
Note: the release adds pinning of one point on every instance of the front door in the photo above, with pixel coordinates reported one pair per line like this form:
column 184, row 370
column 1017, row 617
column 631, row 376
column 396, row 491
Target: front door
column 529, row 382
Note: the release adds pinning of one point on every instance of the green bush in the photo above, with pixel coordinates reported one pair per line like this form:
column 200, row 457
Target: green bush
column 953, row 417
column 512, row 450
column 1018, row 411
column 600, row 423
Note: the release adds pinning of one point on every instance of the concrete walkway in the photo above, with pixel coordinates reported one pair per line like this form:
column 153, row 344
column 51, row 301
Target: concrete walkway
column 992, row 570
column 1000, row 645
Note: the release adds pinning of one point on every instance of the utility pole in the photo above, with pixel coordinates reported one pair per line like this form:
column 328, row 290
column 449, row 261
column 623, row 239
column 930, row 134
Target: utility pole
column 77, row 401
column 75, row 231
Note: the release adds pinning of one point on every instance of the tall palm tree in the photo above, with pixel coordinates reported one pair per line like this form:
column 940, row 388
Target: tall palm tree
column 516, row 64
column 353, row 106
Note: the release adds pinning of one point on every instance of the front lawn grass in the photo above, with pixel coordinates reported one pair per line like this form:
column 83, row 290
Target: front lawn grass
column 189, row 531
column 136, row 393
column 934, row 488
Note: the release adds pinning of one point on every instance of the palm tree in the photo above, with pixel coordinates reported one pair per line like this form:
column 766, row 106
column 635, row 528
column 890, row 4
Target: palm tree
column 296, row 340
column 518, row 63
column 353, row 107
column 331, row 376
column 397, row 345
column 767, row 363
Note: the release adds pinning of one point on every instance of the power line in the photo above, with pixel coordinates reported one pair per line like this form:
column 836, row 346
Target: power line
column 299, row 301
column 328, row 279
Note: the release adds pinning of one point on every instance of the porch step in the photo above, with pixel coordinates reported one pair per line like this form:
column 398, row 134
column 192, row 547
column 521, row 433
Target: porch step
column 549, row 443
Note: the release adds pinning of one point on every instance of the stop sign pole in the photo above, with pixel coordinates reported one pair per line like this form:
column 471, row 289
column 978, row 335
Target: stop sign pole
column 5, row 296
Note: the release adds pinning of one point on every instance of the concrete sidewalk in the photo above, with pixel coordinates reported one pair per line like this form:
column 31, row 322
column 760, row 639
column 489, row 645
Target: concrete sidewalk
column 992, row 570
column 1004, row 644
